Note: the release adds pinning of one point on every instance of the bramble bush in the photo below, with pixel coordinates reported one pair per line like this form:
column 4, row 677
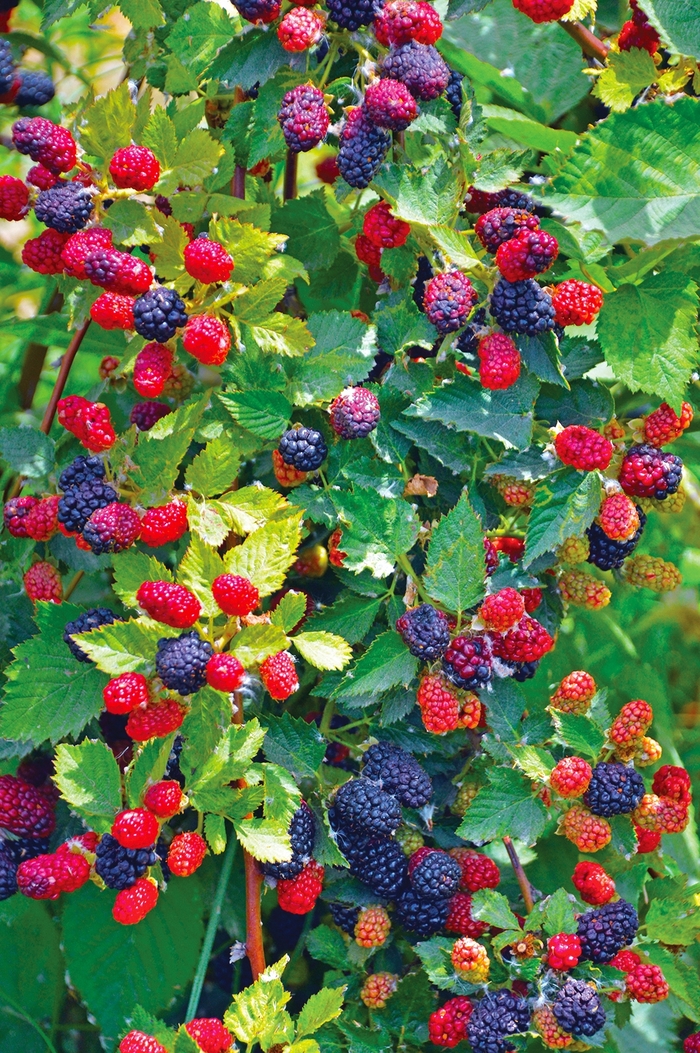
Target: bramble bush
column 350, row 556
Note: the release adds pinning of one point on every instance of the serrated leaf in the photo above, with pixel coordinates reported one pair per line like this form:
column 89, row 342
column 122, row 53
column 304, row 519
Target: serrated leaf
column 160, row 450
column 323, row 650
column 250, row 247
column 215, row 468
column 444, row 444
column 454, row 573
column 342, row 354
column 682, row 980
column 107, row 122
column 289, row 611
column 230, row 758
column 280, row 334
column 143, row 14
column 197, row 570
column 505, row 807
column 328, row 946
column 258, row 1014
column 264, row 413
column 350, row 616
column 131, row 569
column 401, row 326
column 124, row 647
column 673, row 920
column 147, row 767
column 195, row 158
column 323, row 1006
column 215, row 833
column 281, row 794
column 267, row 554
column 208, row 520
column 492, row 907
column 579, row 732
column 312, row 230
column 377, row 530
column 250, row 508
column 565, row 505
column 265, row 839
column 197, row 36
column 254, row 643
column 294, row 743
column 386, row 663
column 131, row 223
column 556, row 913
column 625, row 75
column 27, row 451
column 168, row 248
column 88, row 777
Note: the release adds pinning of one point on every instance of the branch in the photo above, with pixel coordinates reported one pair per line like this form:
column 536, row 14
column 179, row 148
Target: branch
column 66, row 363
column 253, row 883
column 34, row 358
column 588, row 41
column 525, row 886
column 212, row 926
column 238, row 181
column 290, row 175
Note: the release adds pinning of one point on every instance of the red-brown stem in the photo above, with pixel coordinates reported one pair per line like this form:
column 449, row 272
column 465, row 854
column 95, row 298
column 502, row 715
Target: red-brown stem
column 67, row 362
column 253, row 884
column 290, row 175
column 525, row 886
column 238, row 181
column 34, row 358
column 588, row 42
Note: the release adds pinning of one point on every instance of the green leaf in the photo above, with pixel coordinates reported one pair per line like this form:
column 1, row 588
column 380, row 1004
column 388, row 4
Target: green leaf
column 528, row 132
column 658, row 318
column 506, row 706
column 565, row 505
column 197, row 36
column 674, row 920
column 265, row 839
column 418, row 196
column 342, row 354
column 131, row 223
column 377, row 530
column 260, row 299
column 402, row 326
column 328, row 946
column 208, row 520
column 682, row 980
column 199, row 566
column 254, row 59
column 27, row 451
column 250, row 508
column 313, row 232
column 254, row 643
column 168, row 250
column 350, row 616
column 147, row 767
column 323, row 1006
column 196, row 156
column 579, row 733
column 506, row 807
column 88, row 778
column 386, row 663
column 267, row 554
column 131, row 569
column 442, row 443
column 48, row 695
column 289, row 611
column 264, row 413
column 258, row 1014
column 454, row 573
column 492, row 907
column 215, row 833
column 678, row 24
column 107, row 122
column 292, row 742
column 215, row 468
column 231, row 757
column 160, row 450
column 280, row 334
column 323, row 650
column 626, row 74
column 250, row 247
column 554, row 914
column 31, row 975
column 143, row 14
column 209, row 716
column 124, row 647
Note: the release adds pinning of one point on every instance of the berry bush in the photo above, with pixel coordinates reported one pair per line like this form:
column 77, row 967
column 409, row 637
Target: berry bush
column 349, row 566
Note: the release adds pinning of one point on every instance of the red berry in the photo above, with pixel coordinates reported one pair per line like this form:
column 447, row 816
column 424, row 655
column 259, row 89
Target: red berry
column 135, row 828
column 532, row 599
column 45, row 142
column 336, row 556
column 168, row 603
column 661, row 814
column 327, row 170
column 286, row 474
column 14, row 198
column 636, row 34
column 649, row 472
column 529, row 253
column 156, row 720
column 575, row 693
column 372, row 927
column 439, row 704
column 692, row 1043
column 207, row 261
column 125, row 693
column 42, row 178
column 448, row 299
column 632, row 723
column 25, row 809
column 133, row 904
column 471, row 959
column 80, row 245
column 514, row 547
column 570, row 777
column 107, row 367
column 460, row 918
column 15, row 513
column 544, row 10
column 528, row 641
column 354, row 413
column 367, row 252
column 152, row 368
column 618, row 517
column 210, row 1034
column 165, row 799
column 46, row 877
column 672, row 781
column 502, row 610
column 43, row 582
column 278, row 674
column 401, row 21
column 113, row 311
column 299, row 895
column 625, row 961
column 134, row 168
column 478, row 871
column 664, row 425
column 41, row 522
column 300, row 29
column 501, row 224
column 389, row 104
column 583, row 448
column 576, row 303
column 140, row 1042
column 646, row 983
column 383, row 228
column 186, row 854
column 207, row 339
column 164, row 524
column 225, row 672
column 378, row 989
column 499, row 362
column 235, row 595
column 563, row 951
column 588, row 832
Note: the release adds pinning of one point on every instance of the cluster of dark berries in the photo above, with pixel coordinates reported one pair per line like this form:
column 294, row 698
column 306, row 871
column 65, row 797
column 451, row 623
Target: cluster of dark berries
column 22, row 87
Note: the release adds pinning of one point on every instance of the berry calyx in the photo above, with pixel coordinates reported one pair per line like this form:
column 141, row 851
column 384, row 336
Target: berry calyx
column 186, row 854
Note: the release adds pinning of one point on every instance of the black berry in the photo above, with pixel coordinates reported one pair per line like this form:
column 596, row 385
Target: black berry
column 498, row 1015
column 522, row 307
column 121, row 867
column 303, row 448
column 606, row 930
column 363, row 147
column 181, row 662
column 399, row 774
column 66, row 207
column 362, row 806
column 467, row 662
column 608, row 554
column 422, row 916
column 420, row 67
column 578, row 1009
column 77, row 504
column 302, row 834
column 158, row 314
column 436, row 876
column 35, row 89
column 425, row 631
column 614, row 789
column 87, row 621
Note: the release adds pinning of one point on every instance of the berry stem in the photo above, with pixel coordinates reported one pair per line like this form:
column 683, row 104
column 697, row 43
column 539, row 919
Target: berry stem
column 405, row 564
column 290, row 175
column 66, row 364
column 212, row 926
column 238, row 181
column 525, row 886
column 73, row 584
column 589, row 42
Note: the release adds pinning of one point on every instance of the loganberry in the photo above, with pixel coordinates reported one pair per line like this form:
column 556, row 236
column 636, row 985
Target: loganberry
column 593, row 883
column 113, row 311
column 563, row 951
column 363, row 147
column 112, row 528
column 207, row 261
column 134, row 168
column 152, row 367
column 528, row 253
column 502, row 610
column 225, row 672
column 664, row 425
column 499, row 362
column 165, row 798
column 14, row 198
column 133, row 904
column 576, row 303
column 400, row 21
column 420, row 67
column 43, row 582
column 447, row 1026
column 186, row 854
column 168, row 603
column 164, row 524
column 44, row 254
column 155, row 720
column 632, row 722
column 45, row 142
column 583, row 448
column 300, row 29
column 439, row 704
column 140, row 1042
column 279, row 675
column 672, row 781
column 619, row 517
column 135, row 828
column 648, row 472
column 298, row 895
column 389, row 104
column 235, row 595
column 478, row 870
column 380, row 225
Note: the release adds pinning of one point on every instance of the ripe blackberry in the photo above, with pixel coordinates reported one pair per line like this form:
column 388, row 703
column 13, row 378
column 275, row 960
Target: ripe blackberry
column 85, row 623
column 345, row 917
column 380, row 863
column 8, row 873
column 420, row 67
column 66, row 207
column 81, row 470
column 22, row 848
column 7, row 67
column 422, row 916
column 112, row 528
column 351, row 14
column 121, row 867
column 181, row 662
column 577, row 1008
column 264, row 11
column 35, row 88
column 363, row 147
column 303, row 448
column 45, row 142
column 496, row 1016
column 389, row 104
column 145, row 414
column 614, row 789
column 399, row 774
column 449, row 297
column 576, row 303
column 522, row 307
column 435, row 875
column 354, row 413
column 501, row 224
column 362, row 806
column 158, row 314
column 605, row 931
column 648, row 472
column 453, row 93
column 303, row 118
column 480, row 201
column 467, row 662
column 134, row 168
column 78, row 503
column 523, row 671
column 608, row 554
column 302, row 834
column 425, row 631
column 526, row 254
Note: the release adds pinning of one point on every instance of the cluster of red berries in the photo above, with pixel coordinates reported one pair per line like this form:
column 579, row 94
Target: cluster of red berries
column 208, row 1034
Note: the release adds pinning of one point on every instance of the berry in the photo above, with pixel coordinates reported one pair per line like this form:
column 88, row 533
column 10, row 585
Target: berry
column 647, row 840
column 207, row 338
column 112, row 528
column 607, row 554
column 303, row 449
column 439, row 704
column 24, row 809
column 156, row 720
column 186, row 854
column 372, row 927
column 351, row 15
column 78, row 504
column 363, row 806
column 207, row 261
column 593, row 884
column 605, row 931
column 478, row 871
column 145, row 414
column 577, row 1008
column 499, row 225
column 496, row 1016
column 41, row 521
column 235, row 595
column 90, row 422
column 465, row 796
column 298, row 895
column 619, row 517
column 380, row 225
column 108, row 365
column 7, row 67
column 425, row 631
column 664, row 425
column 636, row 34
column 447, row 1026
column 85, row 623
column 389, row 104
column 545, row 1023
column 79, row 246
column 460, row 918
column 588, row 832
column 399, row 774
column 302, row 835
column 625, row 961
column 543, row 10
column 327, row 170
column 158, row 314
column 449, row 297
column 42, row 178
column 570, row 777
column 574, row 550
column 646, row 983
column 692, row 1043
column 344, row 917
column 575, row 693
column 14, row 196
column 118, row 272
column 300, row 29
column 210, row 1035
column 140, row 1042
column 522, row 307
column 43, row 254
column 181, row 662
column 354, row 413
column 224, row 672
column 614, row 789
column 409, row 838
column 499, row 362
column 15, row 513
column 583, row 448
column 400, row 21
column 644, row 751
column 121, row 867
column 134, row 168
column 420, row 67
column 152, row 368
column 378, row 989
column 35, row 88
column 661, row 814
column 514, row 492
column 528, row 641
column 563, row 951
column 363, row 147
column 480, row 201
column 422, row 916
column 381, row 865
column 632, row 722
column 471, row 959
column 303, row 118
column 66, row 207
column 648, row 472
column 502, row 610
column 43, row 582
column 652, row 572
column 168, row 603
column 165, row 799
column 113, row 311
column 258, row 10
column 135, row 828
column 434, row 874
column 278, row 674
column 526, row 254
column 46, row 877
column 467, row 662
column 453, row 93
column 45, row 142
column 133, row 904
column 672, row 781
column 576, row 303
column 164, row 524
column 583, row 590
